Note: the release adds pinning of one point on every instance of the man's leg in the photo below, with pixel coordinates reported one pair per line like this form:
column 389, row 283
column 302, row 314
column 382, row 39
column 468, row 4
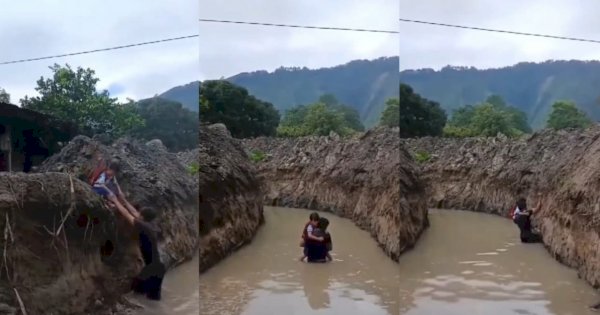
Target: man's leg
column 154, row 283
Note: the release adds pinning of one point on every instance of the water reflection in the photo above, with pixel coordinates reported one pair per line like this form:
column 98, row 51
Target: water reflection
column 473, row 263
column 266, row 277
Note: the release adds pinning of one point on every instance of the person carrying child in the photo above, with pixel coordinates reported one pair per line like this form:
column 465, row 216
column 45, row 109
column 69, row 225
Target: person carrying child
column 308, row 235
column 319, row 251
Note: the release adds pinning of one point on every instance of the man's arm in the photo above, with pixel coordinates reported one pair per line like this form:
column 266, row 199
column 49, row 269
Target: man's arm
column 312, row 237
column 125, row 213
column 132, row 210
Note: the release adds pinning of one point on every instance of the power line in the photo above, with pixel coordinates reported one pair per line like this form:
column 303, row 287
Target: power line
column 99, row 50
column 502, row 31
column 301, row 26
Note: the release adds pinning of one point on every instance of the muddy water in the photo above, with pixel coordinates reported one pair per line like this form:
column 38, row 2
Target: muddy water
column 179, row 293
column 470, row 263
column 266, row 277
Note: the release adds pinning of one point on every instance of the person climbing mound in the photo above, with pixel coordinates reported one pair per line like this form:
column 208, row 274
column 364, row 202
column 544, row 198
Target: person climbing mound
column 149, row 280
column 307, row 233
column 104, row 182
column 319, row 251
column 522, row 218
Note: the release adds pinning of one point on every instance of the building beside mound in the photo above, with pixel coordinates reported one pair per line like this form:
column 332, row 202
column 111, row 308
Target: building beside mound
column 28, row 137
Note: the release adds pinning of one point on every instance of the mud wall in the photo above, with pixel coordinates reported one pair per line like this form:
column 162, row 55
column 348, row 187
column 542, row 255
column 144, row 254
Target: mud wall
column 231, row 209
column 488, row 175
column 368, row 179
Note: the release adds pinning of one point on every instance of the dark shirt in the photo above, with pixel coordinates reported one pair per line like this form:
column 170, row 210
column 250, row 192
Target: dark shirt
column 317, row 251
column 148, row 235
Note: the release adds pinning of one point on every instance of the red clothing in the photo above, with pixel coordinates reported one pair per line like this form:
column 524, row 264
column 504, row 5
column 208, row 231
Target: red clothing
column 305, row 231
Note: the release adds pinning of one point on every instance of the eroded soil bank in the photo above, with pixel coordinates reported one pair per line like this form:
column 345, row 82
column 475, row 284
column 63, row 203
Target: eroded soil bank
column 86, row 266
column 369, row 179
column 489, row 174
column 231, row 201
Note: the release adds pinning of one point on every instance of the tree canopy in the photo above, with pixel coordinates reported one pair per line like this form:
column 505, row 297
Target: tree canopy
column 391, row 113
column 71, row 95
column 175, row 125
column 418, row 116
column 565, row 114
column 243, row 114
column 4, row 96
column 487, row 119
column 320, row 118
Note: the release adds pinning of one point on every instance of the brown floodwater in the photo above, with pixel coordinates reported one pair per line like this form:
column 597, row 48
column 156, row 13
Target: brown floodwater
column 265, row 277
column 465, row 263
column 473, row 263
column 179, row 293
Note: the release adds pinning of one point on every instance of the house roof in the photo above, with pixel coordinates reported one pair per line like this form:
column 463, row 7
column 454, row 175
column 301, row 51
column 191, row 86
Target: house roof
column 13, row 113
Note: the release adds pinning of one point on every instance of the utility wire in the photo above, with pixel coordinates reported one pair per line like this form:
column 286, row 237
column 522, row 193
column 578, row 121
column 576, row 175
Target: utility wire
column 99, row 50
column 301, row 26
column 501, row 31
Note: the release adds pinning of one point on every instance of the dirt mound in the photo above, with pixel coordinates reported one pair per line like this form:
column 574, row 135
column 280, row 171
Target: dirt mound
column 231, row 208
column 68, row 274
column 488, row 175
column 359, row 178
column 63, row 273
column 150, row 177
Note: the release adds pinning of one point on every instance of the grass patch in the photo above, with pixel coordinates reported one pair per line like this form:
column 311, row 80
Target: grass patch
column 422, row 157
column 194, row 168
column 257, row 156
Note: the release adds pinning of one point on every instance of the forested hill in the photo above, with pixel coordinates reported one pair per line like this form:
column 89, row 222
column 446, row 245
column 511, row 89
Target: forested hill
column 362, row 84
column 531, row 87
column 187, row 95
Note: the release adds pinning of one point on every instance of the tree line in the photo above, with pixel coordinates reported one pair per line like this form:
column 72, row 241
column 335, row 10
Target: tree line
column 247, row 116
column 493, row 116
column 71, row 95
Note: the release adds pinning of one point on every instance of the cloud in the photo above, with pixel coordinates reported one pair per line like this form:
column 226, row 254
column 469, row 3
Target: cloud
column 53, row 27
column 424, row 46
column 227, row 49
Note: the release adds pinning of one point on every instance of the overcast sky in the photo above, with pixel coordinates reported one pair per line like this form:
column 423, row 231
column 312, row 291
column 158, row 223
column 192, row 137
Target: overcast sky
column 423, row 46
column 228, row 49
column 48, row 27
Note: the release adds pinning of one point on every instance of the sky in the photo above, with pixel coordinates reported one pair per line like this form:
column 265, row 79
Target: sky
column 424, row 46
column 51, row 27
column 229, row 49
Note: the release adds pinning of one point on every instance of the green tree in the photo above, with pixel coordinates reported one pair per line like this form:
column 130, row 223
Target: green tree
column 175, row 125
column 315, row 119
column 4, row 96
column 565, row 114
column 350, row 114
column 243, row 114
column 518, row 118
column 71, row 95
column 419, row 116
column 488, row 121
column 391, row 113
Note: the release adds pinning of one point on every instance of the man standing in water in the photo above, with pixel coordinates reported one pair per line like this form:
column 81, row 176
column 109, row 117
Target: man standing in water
column 522, row 218
column 149, row 280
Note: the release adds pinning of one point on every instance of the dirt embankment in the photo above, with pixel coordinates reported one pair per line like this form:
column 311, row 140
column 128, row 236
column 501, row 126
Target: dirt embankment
column 362, row 178
column 231, row 209
column 489, row 174
column 87, row 266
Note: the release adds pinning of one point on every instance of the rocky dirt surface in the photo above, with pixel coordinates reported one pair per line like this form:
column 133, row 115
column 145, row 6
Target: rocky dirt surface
column 488, row 175
column 361, row 178
column 231, row 209
column 87, row 267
